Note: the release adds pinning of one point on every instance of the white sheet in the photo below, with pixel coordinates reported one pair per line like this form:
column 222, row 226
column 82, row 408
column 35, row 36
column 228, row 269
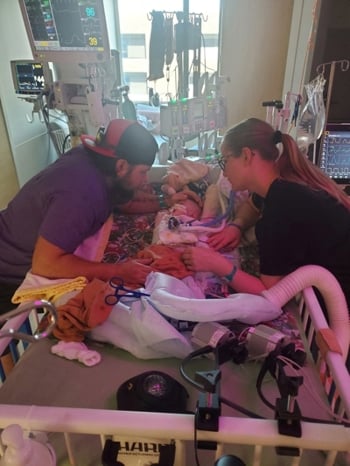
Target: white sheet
column 139, row 327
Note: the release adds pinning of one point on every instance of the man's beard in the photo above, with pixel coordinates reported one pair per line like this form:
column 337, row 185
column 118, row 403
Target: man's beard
column 119, row 192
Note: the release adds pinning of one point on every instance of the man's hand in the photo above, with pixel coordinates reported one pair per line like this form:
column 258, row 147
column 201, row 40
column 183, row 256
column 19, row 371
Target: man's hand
column 182, row 196
column 134, row 271
column 52, row 262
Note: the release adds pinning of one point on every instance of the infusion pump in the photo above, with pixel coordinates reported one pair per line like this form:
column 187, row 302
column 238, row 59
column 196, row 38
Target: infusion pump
column 186, row 118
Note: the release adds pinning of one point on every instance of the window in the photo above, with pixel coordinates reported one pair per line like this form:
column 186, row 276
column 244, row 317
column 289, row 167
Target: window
column 174, row 80
column 210, row 40
column 136, row 80
column 133, row 45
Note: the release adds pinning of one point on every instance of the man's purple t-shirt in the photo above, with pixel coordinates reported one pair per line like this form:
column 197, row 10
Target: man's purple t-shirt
column 65, row 203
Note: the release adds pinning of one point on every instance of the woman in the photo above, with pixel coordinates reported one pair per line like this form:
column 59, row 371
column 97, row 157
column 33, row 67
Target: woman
column 301, row 216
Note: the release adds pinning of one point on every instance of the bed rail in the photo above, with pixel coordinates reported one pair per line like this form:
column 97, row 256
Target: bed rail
column 254, row 440
column 10, row 329
column 258, row 434
column 19, row 327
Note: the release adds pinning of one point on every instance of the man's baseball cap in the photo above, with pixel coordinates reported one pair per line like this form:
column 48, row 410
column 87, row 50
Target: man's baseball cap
column 124, row 139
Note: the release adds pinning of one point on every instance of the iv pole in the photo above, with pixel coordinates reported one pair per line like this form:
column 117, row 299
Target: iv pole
column 187, row 37
column 344, row 66
column 186, row 10
column 183, row 55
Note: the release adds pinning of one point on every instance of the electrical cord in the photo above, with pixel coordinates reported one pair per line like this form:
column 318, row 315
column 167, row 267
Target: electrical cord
column 46, row 115
column 201, row 352
column 240, row 409
column 294, row 366
column 267, row 367
column 209, row 349
column 64, row 143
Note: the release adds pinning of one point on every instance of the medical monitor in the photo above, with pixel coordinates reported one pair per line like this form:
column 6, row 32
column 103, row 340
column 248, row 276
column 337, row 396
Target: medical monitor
column 29, row 77
column 335, row 152
column 66, row 30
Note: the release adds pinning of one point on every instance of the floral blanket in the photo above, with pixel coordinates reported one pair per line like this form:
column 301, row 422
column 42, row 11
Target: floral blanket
column 129, row 235
column 132, row 233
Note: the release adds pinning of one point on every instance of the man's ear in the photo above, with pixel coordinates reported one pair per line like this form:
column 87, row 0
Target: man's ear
column 121, row 167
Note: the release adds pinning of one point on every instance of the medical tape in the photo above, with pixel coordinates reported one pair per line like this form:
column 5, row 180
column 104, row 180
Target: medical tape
column 327, row 341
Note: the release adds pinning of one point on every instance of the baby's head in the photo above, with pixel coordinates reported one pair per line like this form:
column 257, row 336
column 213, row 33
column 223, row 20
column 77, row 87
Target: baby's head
column 187, row 207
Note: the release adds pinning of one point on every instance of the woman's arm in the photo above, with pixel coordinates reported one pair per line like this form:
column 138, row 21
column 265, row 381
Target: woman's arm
column 207, row 260
column 246, row 216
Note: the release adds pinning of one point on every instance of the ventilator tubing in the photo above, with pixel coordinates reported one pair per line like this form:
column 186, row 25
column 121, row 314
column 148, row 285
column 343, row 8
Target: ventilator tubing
column 168, row 299
column 328, row 286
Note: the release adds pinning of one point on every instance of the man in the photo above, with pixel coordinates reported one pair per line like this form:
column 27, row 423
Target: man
column 69, row 201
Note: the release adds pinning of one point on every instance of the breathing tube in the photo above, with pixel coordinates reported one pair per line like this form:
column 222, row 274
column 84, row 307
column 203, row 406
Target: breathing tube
column 319, row 277
column 252, row 309
column 214, row 225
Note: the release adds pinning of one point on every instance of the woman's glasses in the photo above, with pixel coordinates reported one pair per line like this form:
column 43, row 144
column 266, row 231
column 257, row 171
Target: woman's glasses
column 222, row 162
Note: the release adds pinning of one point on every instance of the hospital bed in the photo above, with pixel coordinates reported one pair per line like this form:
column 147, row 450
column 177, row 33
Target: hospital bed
column 76, row 405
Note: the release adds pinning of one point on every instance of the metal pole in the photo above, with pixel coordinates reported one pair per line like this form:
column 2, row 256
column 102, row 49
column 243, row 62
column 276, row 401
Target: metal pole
column 186, row 9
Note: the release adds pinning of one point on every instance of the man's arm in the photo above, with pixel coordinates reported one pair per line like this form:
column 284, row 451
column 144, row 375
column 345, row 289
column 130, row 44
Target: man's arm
column 145, row 203
column 52, row 262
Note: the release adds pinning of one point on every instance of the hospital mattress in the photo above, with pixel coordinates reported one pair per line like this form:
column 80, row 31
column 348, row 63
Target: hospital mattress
column 77, row 406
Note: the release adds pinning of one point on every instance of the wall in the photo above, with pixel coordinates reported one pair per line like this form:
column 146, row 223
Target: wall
column 302, row 42
column 8, row 176
column 30, row 145
column 254, row 46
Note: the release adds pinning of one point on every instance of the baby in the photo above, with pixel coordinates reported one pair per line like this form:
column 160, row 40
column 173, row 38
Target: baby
column 188, row 209
column 168, row 223
column 189, row 221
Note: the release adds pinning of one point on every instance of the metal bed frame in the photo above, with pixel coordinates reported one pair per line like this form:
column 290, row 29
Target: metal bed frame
column 256, row 435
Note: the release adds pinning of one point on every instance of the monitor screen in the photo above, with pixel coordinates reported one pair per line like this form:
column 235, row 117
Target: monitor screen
column 29, row 77
column 66, row 30
column 335, row 152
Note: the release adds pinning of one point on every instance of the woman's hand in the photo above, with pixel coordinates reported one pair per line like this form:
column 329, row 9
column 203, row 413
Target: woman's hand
column 199, row 259
column 229, row 237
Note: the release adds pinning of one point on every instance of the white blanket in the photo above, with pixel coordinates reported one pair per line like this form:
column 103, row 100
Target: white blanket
column 140, row 327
